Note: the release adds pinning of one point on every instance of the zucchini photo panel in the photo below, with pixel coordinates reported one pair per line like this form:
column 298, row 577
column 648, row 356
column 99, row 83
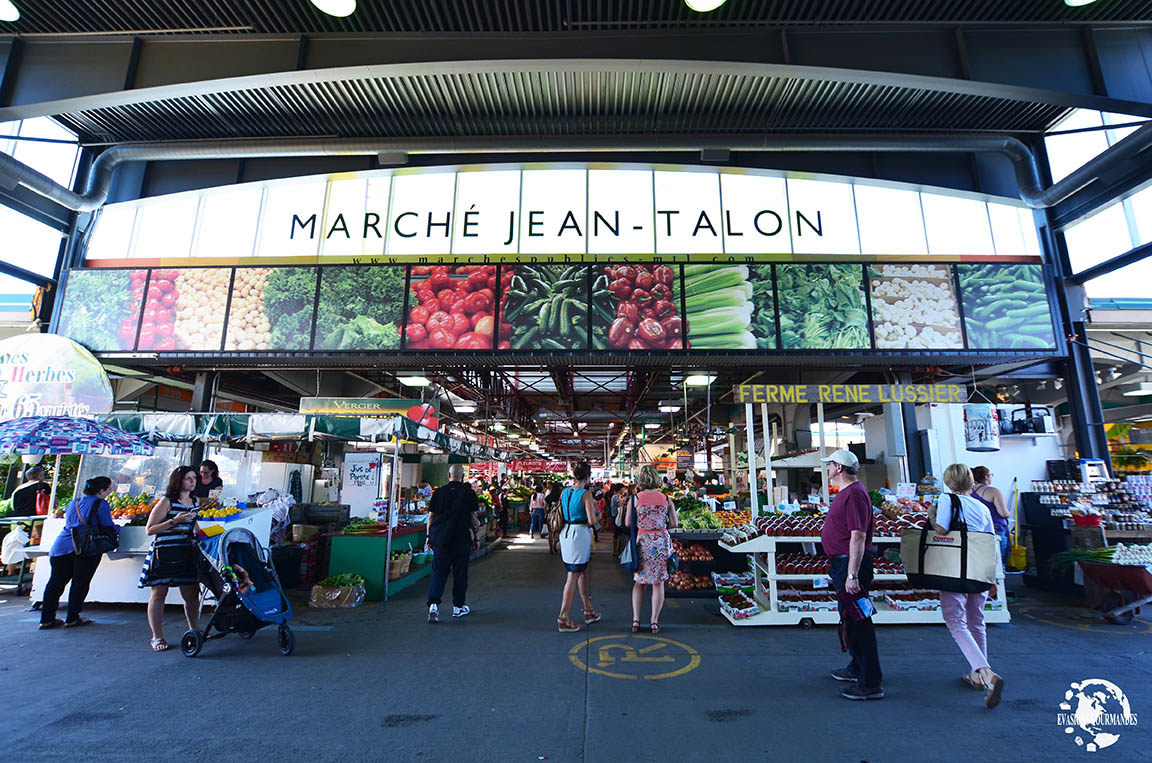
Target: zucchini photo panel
column 914, row 307
column 730, row 307
column 1006, row 307
column 822, row 307
column 545, row 307
column 636, row 306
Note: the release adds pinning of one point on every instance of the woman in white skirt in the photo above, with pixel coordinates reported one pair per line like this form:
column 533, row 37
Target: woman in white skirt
column 578, row 508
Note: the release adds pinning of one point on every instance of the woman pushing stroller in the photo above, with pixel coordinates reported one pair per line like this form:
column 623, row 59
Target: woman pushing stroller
column 173, row 557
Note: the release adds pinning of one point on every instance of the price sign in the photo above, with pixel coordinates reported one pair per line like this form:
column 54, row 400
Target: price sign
column 905, row 489
column 790, row 508
column 123, row 488
column 729, row 506
column 820, row 583
column 150, row 489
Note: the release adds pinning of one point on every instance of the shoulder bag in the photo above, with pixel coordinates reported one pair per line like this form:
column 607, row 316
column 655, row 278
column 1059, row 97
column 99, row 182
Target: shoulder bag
column 673, row 558
column 92, row 538
column 630, row 556
column 957, row 561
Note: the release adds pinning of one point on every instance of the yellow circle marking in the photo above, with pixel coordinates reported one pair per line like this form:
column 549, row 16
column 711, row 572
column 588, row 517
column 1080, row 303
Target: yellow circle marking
column 1093, row 627
column 616, row 651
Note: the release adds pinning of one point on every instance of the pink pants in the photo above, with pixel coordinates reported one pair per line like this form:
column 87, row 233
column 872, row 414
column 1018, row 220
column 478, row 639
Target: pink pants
column 964, row 616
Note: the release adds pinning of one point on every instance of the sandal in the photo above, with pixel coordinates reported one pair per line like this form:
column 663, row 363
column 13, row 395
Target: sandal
column 972, row 683
column 159, row 645
column 564, row 625
column 78, row 623
column 53, row 624
column 655, row 627
column 995, row 691
column 591, row 617
column 635, row 626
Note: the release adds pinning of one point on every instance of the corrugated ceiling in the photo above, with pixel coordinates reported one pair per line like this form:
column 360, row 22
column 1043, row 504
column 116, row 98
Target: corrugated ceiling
column 404, row 16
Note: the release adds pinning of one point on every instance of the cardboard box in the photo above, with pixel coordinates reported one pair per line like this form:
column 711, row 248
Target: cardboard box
column 301, row 533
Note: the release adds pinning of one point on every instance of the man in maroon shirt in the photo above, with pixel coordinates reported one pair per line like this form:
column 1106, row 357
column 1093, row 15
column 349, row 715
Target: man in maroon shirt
column 847, row 540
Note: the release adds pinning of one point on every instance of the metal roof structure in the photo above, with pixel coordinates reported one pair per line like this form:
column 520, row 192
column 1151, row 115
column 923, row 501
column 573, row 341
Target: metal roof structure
column 489, row 16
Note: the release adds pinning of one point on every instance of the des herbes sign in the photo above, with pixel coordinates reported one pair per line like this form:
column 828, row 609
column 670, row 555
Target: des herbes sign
column 50, row 375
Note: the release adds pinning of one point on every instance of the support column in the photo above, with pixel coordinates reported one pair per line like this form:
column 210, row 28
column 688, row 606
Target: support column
column 203, row 400
column 912, row 435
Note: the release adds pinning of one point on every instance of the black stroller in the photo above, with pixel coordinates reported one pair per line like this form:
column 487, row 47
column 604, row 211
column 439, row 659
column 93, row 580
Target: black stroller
column 236, row 570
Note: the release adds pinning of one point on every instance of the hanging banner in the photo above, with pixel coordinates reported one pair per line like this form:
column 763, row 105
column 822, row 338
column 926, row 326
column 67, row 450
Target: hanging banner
column 374, row 407
column 539, row 466
column 850, row 393
column 50, row 375
column 981, row 428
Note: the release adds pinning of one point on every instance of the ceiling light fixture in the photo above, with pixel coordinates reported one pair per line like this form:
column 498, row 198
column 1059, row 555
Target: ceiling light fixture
column 699, row 380
column 1143, row 389
column 704, row 6
column 498, row 427
column 465, row 406
column 1078, row 3
column 513, row 436
column 414, row 381
column 653, row 426
column 337, row 8
column 669, row 406
column 9, row 11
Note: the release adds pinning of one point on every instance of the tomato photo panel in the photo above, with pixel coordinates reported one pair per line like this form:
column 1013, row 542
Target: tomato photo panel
column 185, row 309
column 452, row 307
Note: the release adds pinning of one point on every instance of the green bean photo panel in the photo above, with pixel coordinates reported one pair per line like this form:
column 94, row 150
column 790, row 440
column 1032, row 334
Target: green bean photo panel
column 1006, row 307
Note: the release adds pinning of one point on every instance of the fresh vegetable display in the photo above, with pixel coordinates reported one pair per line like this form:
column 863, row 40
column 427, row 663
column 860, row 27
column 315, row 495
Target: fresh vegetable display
column 546, row 307
column 103, row 307
column 719, row 305
column 914, row 307
column 822, row 307
column 343, row 580
column 360, row 308
column 453, row 307
column 271, row 309
column 682, row 581
column 637, row 307
column 1006, row 307
column 185, row 309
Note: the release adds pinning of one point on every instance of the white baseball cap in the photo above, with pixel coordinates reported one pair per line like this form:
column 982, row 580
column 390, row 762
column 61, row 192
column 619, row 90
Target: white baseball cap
column 844, row 458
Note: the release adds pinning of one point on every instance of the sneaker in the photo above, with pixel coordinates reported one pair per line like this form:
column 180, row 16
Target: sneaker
column 856, row 692
column 843, row 674
column 433, row 614
column 460, row 611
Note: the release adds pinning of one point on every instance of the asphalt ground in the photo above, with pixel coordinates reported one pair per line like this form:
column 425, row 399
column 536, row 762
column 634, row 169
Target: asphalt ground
column 379, row 683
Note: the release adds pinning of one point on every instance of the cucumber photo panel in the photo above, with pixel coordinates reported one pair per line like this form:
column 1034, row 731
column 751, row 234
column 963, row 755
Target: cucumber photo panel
column 1006, row 307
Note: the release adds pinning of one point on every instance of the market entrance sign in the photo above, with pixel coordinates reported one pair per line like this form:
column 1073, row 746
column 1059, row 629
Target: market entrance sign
column 631, row 657
column 50, row 375
column 850, row 393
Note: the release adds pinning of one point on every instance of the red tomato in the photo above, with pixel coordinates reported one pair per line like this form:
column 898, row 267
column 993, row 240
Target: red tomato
column 440, row 339
column 147, row 336
column 416, row 333
column 164, row 329
column 165, row 316
column 164, row 285
column 128, row 331
column 421, row 345
column 504, row 345
column 171, row 275
column 473, row 341
column 167, row 344
column 448, row 298
column 460, row 323
column 438, row 320
column 433, row 305
column 418, row 315
column 485, row 325
column 438, row 281
column 169, row 298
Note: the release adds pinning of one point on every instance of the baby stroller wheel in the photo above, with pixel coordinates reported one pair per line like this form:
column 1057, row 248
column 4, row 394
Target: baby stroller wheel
column 246, row 634
column 286, row 640
column 191, row 643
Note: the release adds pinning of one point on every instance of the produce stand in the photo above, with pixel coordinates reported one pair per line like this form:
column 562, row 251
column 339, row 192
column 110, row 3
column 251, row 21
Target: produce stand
column 1131, row 584
column 368, row 555
column 21, row 579
column 767, row 597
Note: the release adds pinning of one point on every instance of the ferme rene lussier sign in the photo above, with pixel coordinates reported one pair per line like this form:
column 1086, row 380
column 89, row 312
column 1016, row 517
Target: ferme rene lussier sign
column 850, row 393
column 600, row 209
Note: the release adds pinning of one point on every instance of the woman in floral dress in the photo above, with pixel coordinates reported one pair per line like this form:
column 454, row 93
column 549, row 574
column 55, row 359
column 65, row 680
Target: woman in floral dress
column 654, row 515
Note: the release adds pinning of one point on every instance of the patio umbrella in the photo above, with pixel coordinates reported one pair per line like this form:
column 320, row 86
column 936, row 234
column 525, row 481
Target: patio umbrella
column 62, row 435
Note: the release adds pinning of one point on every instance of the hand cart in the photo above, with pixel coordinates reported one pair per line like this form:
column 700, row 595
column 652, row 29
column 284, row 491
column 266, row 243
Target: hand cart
column 1130, row 586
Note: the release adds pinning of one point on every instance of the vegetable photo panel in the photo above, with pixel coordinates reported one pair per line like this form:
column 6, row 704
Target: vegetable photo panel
column 452, row 307
column 914, row 307
column 102, row 308
column 1006, row 307
column 544, row 307
column 730, row 307
column 185, row 310
column 360, row 307
column 271, row 309
column 822, row 307
column 636, row 306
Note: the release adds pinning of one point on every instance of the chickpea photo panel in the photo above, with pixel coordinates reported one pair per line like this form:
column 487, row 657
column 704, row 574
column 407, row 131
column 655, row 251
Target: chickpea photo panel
column 271, row 309
column 184, row 310
column 914, row 307
column 822, row 307
column 453, row 307
column 730, row 307
column 1006, row 307
column 101, row 309
column 544, row 307
column 637, row 306
column 360, row 307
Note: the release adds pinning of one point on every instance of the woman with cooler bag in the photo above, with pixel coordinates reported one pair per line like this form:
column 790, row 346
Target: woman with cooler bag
column 960, row 559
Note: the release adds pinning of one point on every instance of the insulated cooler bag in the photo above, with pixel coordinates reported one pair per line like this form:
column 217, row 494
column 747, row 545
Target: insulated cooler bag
column 957, row 561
